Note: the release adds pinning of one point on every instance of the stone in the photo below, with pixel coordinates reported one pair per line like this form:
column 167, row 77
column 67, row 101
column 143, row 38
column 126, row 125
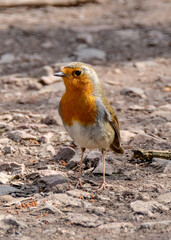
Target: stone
column 96, row 210
column 127, row 135
column 117, row 226
column 156, row 35
column 9, row 223
column 63, row 199
column 47, row 45
column 136, row 108
column 125, row 34
column 8, row 150
column 143, row 138
column 7, row 58
column 4, row 178
column 43, row 71
column 3, row 126
column 55, row 183
column 88, row 171
column 17, row 201
column 162, row 165
column 148, row 208
column 47, row 80
column 161, row 113
column 64, row 154
column 34, row 86
column 86, row 205
column 46, row 138
column 68, row 232
column 83, row 220
column 133, row 92
column 92, row 159
column 47, row 71
column 18, row 116
column 54, row 114
column 55, row 87
column 148, row 108
column 6, row 189
column 109, row 168
column 103, row 198
column 12, row 167
column 17, row 136
column 73, row 162
column 117, row 71
column 165, row 198
column 32, row 176
column 50, row 207
column 166, row 107
column 51, row 149
column 49, row 120
column 6, row 199
column 88, row 54
column 36, row 126
column 157, row 225
column 29, row 58
column 85, row 37
column 64, row 137
column 70, row 173
column 142, row 65
column 78, row 193
column 49, row 172
column 6, row 117
column 4, row 140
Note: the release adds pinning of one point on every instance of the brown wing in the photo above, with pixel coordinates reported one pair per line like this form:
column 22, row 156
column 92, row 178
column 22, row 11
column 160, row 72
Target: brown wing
column 115, row 146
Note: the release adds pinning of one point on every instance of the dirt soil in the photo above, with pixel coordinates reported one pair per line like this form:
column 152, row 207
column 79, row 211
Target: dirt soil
column 130, row 45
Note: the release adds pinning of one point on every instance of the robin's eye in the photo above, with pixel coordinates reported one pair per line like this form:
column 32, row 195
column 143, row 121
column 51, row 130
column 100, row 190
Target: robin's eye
column 77, row 73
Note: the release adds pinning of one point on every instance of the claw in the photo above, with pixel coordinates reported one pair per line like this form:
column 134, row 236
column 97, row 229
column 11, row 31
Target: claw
column 102, row 186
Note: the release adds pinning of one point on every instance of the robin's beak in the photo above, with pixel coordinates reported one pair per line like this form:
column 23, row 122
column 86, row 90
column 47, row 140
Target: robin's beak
column 60, row 74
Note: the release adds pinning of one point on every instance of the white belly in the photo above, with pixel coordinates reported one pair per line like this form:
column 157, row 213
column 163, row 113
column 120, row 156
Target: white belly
column 91, row 137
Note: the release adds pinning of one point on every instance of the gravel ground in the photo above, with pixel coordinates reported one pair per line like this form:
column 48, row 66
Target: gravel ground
column 129, row 45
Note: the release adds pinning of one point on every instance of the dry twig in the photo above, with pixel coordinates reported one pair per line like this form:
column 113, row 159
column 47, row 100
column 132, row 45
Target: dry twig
column 150, row 154
column 60, row 3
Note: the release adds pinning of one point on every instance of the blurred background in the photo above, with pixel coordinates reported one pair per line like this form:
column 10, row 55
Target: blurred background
column 35, row 33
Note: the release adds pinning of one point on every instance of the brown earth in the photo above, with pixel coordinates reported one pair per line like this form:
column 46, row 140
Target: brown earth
column 134, row 65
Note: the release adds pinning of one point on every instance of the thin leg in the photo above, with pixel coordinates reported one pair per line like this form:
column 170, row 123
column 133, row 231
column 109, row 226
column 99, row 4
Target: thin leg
column 80, row 169
column 102, row 186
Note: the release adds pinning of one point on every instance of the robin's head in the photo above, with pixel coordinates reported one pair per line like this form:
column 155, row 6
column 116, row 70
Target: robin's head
column 80, row 76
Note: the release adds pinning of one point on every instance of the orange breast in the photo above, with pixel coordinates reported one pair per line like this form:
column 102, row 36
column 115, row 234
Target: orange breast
column 78, row 107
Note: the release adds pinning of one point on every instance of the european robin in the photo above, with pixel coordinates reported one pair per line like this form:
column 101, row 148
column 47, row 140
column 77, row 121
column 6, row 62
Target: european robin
column 86, row 113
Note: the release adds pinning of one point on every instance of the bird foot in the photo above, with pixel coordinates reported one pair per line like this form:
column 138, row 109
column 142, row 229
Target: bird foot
column 102, row 186
column 79, row 183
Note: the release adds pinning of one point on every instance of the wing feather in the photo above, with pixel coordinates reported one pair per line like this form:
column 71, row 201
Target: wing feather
column 113, row 120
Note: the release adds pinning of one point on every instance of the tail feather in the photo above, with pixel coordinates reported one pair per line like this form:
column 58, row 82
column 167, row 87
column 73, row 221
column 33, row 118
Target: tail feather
column 117, row 150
